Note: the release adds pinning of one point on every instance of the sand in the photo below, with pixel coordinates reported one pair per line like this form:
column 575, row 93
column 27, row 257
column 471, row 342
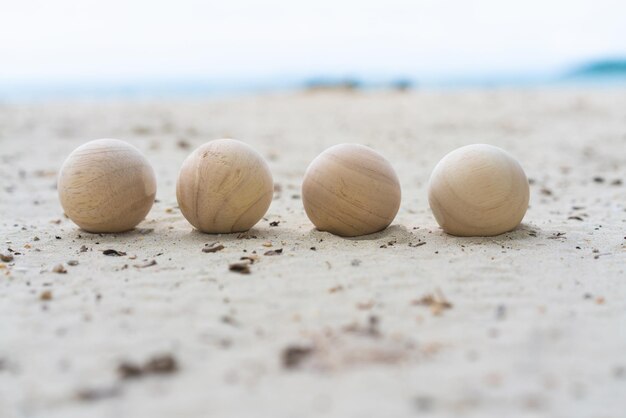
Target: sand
column 405, row 322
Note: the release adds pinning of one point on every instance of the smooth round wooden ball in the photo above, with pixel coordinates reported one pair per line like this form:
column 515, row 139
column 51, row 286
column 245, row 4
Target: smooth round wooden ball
column 106, row 185
column 224, row 186
column 478, row 190
column 351, row 190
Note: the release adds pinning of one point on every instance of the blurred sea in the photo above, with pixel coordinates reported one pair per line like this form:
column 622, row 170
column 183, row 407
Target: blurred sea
column 596, row 74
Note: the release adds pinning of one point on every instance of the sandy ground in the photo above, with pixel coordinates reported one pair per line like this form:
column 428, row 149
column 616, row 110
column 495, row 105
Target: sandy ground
column 530, row 323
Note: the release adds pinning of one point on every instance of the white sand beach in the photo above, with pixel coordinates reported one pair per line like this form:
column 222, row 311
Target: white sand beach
column 406, row 322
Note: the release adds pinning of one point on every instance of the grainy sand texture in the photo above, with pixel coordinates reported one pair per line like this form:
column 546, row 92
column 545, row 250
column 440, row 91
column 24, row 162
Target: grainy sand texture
column 405, row 322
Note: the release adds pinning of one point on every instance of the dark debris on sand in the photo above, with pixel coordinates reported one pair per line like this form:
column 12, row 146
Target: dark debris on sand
column 113, row 253
column 7, row 258
column 277, row 251
column 293, row 355
column 157, row 365
column 212, row 248
column 241, row 268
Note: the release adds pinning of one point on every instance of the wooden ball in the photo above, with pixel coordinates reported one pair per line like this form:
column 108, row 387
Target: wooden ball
column 106, row 185
column 351, row 190
column 224, row 186
column 478, row 190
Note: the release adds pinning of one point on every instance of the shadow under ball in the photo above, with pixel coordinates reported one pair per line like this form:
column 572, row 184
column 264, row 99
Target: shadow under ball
column 478, row 190
column 351, row 190
column 106, row 185
column 224, row 186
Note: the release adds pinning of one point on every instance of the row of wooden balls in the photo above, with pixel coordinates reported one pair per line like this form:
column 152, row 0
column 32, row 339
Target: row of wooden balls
column 226, row 186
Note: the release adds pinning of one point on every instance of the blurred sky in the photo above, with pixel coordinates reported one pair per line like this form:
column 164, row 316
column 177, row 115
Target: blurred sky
column 124, row 39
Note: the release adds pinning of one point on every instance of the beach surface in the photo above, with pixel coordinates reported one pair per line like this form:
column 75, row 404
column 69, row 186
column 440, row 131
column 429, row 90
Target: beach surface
column 406, row 322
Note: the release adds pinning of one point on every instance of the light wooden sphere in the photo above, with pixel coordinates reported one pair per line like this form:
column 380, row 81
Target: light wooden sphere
column 106, row 185
column 478, row 190
column 224, row 186
column 351, row 190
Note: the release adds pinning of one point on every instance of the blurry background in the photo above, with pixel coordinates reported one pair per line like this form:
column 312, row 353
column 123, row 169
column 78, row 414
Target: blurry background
column 194, row 47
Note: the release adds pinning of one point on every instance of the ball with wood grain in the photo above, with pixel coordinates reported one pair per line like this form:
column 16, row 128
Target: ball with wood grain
column 478, row 190
column 351, row 190
column 224, row 186
column 106, row 185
